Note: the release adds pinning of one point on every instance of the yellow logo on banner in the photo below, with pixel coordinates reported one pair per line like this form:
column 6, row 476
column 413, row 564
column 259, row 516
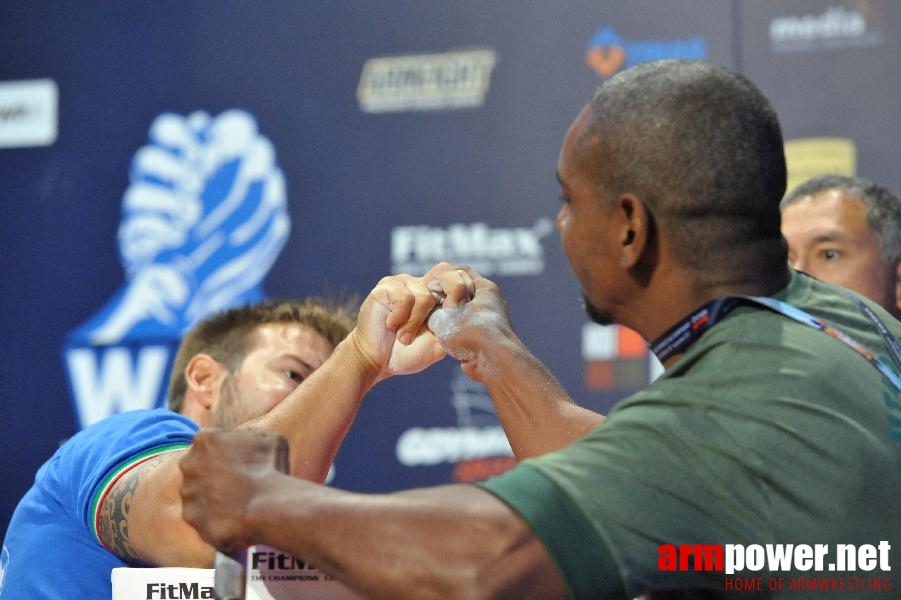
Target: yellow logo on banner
column 809, row 157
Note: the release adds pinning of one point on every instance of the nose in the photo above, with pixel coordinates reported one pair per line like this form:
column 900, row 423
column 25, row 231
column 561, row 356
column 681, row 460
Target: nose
column 558, row 221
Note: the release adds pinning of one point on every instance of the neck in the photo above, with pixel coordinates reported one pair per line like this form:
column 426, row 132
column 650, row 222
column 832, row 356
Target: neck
column 192, row 410
column 672, row 300
column 772, row 284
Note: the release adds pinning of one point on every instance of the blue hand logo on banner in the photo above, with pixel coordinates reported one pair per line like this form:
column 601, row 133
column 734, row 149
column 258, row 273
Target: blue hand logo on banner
column 203, row 219
column 4, row 562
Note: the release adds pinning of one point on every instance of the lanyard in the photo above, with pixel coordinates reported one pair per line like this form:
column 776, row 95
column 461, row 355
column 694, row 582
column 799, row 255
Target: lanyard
column 686, row 332
column 890, row 341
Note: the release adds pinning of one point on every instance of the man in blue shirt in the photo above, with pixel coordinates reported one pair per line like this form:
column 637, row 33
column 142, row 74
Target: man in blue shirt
column 109, row 496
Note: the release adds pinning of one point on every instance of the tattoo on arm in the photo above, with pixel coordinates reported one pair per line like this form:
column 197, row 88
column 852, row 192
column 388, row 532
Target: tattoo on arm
column 113, row 526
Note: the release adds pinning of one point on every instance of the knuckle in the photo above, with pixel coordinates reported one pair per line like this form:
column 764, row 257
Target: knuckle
column 424, row 295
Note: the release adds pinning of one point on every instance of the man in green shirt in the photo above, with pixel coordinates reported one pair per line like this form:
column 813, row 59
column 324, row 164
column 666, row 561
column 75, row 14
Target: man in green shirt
column 767, row 429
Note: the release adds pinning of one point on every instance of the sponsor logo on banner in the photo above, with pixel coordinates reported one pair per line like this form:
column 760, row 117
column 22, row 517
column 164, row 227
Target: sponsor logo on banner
column 179, row 591
column 772, row 559
column 616, row 358
column 274, row 574
column 608, row 53
column 809, row 157
column 457, row 79
column 28, row 113
column 490, row 251
column 477, row 445
column 166, row 583
column 203, row 219
column 842, row 25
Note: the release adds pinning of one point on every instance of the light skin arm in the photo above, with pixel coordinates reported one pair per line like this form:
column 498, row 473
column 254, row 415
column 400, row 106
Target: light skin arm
column 140, row 518
column 389, row 340
column 537, row 414
column 447, row 542
column 142, row 514
column 317, row 415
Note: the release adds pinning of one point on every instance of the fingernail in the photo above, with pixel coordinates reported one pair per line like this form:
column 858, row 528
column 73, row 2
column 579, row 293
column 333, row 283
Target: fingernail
column 406, row 338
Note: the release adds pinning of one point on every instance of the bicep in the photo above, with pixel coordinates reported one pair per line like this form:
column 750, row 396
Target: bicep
column 140, row 518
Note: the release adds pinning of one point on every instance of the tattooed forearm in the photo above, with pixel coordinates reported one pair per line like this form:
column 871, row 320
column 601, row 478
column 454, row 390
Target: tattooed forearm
column 113, row 526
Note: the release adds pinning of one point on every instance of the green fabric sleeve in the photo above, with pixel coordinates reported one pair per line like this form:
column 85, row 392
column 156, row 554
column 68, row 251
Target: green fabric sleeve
column 580, row 554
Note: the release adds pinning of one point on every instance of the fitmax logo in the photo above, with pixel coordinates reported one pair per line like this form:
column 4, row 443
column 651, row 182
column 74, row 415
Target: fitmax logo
column 278, row 560
column 181, row 591
column 490, row 251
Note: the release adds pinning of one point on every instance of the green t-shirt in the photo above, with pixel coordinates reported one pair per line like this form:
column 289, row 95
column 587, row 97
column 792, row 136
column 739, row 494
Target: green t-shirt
column 767, row 431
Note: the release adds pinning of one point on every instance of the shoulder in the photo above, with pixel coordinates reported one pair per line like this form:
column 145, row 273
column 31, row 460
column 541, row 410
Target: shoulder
column 851, row 313
column 89, row 461
column 126, row 425
column 789, row 340
column 116, row 437
column 135, row 419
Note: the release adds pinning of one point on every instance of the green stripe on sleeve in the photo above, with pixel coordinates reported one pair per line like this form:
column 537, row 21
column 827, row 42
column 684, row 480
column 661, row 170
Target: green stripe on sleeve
column 104, row 487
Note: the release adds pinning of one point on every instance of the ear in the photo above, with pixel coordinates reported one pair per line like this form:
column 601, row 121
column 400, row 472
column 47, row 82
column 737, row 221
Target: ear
column 203, row 376
column 635, row 230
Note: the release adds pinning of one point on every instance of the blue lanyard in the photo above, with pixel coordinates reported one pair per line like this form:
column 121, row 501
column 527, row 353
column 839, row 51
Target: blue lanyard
column 890, row 341
column 686, row 332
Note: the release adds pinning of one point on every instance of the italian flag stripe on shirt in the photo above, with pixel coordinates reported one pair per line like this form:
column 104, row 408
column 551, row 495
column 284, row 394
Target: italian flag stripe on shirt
column 114, row 476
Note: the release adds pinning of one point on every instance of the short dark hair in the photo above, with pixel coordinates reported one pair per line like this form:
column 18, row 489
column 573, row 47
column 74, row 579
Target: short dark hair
column 883, row 208
column 224, row 335
column 702, row 147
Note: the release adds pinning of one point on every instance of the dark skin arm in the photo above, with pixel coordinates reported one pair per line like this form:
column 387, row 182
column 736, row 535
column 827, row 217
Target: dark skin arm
column 453, row 541
column 423, row 528
column 537, row 414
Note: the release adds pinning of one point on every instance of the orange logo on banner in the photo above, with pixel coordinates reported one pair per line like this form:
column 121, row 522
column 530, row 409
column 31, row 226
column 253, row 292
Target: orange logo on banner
column 625, row 368
column 608, row 52
column 606, row 60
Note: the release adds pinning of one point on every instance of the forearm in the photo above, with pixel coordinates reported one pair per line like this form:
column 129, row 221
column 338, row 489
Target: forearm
column 536, row 412
column 317, row 415
column 449, row 542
